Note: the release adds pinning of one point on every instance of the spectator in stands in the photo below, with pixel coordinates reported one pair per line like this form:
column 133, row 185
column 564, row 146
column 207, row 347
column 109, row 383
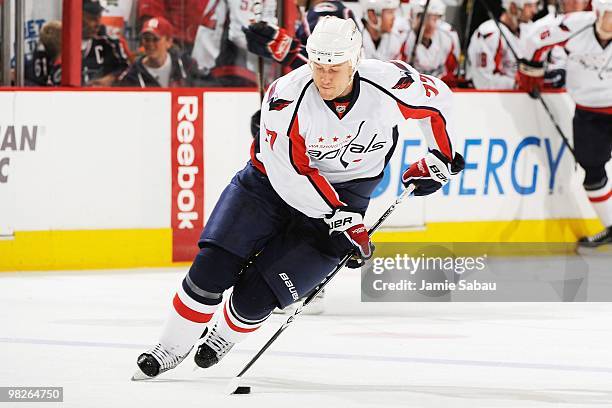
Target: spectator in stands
column 383, row 34
column 44, row 68
column 184, row 15
column 438, row 50
column 104, row 58
column 491, row 63
column 162, row 65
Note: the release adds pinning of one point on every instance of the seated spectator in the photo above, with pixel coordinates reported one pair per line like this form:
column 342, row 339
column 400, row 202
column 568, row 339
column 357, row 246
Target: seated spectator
column 44, row 68
column 104, row 58
column 383, row 33
column 491, row 63
column 437, row 53
column 162, row 65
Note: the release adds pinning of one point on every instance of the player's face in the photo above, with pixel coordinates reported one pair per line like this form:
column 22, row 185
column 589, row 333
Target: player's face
column 529, row 10
column 605, row 22
column 431, row 24
column 388, row 18
column 332, row 81
column 571, row 6
column 91, row 25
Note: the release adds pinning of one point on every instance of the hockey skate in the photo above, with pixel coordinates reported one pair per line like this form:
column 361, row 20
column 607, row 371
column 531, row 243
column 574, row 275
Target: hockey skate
column 156, row 361
column 602, row 238
column 213, row 349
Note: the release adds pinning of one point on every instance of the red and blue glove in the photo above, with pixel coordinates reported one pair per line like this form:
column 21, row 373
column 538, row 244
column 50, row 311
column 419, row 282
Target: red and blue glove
column 350, row 225
column 270, row 41
column 431, row 172
column 530, row 77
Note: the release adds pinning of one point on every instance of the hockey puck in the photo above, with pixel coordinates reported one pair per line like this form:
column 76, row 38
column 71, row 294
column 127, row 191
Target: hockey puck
column 243, row 390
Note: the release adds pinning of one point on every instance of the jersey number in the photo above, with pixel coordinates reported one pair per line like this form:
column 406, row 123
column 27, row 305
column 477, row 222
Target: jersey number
column 271, row 138
column 99, row 57
column 429, row 85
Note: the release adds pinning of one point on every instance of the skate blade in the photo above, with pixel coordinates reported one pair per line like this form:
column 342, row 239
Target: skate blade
column 140, row 376
column 600, row 250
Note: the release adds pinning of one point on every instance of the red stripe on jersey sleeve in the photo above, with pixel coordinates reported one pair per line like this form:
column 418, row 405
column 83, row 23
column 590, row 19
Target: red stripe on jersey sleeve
column 541, row 52
column 438, row 125
column 499, row 68
column 189, row 313
column 301, row 164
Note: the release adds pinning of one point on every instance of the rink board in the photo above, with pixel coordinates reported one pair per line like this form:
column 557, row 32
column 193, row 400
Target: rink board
column 122, row 178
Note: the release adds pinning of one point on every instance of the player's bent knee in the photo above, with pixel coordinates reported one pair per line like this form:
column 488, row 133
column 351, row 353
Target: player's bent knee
column 213, row 271
column 595, row 178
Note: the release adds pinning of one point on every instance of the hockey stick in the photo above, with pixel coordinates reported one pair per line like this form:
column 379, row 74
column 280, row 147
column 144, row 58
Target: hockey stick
column 420, row 31
column 537, row 95
column 257, row 13
column 469, row 8
column 235, row 382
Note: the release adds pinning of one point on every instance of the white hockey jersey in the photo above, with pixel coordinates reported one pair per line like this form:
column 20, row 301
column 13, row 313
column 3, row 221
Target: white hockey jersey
column 208, row 42
column 491, row 63
column 589, row 66
column 390, row 45
column 441, row 58
column 305, row 146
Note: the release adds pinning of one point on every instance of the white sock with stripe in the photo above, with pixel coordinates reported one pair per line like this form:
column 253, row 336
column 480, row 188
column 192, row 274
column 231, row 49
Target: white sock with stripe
column 185, row 323
column 233, row 327
column 601, row 199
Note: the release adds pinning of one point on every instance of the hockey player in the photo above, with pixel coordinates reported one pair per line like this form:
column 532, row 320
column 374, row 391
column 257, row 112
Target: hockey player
column 103, row 57
column 383, row 33
column 491, row 64
column 437, row 53
column 327, row 131
column 586, row 38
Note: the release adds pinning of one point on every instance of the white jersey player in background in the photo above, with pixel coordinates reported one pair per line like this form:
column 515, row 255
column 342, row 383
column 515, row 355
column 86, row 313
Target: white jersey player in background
column 209, row 44
column 383, row 32
column 586, row 38
column 438, row 51
column 491, row 63
column 327, row 131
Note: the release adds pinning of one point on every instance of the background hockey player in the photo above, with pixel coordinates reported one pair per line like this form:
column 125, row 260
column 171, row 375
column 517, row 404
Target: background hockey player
column 383, row 33
column 287, row 218
column 491, row 63
column 438, row 50
column 44, row 69
column 586, row 37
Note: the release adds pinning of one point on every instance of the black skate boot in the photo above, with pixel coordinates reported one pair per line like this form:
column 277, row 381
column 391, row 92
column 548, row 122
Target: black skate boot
column 594, row 241
column 212, row 350
column 156, row 361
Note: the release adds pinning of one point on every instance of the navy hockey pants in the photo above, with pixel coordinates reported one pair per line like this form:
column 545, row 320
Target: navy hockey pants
column 271, row 253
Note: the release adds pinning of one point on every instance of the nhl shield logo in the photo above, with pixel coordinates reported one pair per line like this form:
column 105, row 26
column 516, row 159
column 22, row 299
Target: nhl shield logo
column 340, row 108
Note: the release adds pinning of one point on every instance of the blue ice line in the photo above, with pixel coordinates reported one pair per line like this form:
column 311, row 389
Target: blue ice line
column 333, row 356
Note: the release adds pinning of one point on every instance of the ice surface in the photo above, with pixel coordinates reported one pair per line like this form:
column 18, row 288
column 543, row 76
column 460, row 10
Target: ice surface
column 84, row 329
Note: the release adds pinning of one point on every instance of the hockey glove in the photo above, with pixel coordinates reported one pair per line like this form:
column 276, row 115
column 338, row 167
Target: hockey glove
column 350, row 226
column 270, row 41
column 530, row 77
column 255, row 119
column 431, row 172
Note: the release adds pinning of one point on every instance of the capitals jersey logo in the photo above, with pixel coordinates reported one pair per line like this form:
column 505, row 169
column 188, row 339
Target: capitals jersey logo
column 352, row 152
